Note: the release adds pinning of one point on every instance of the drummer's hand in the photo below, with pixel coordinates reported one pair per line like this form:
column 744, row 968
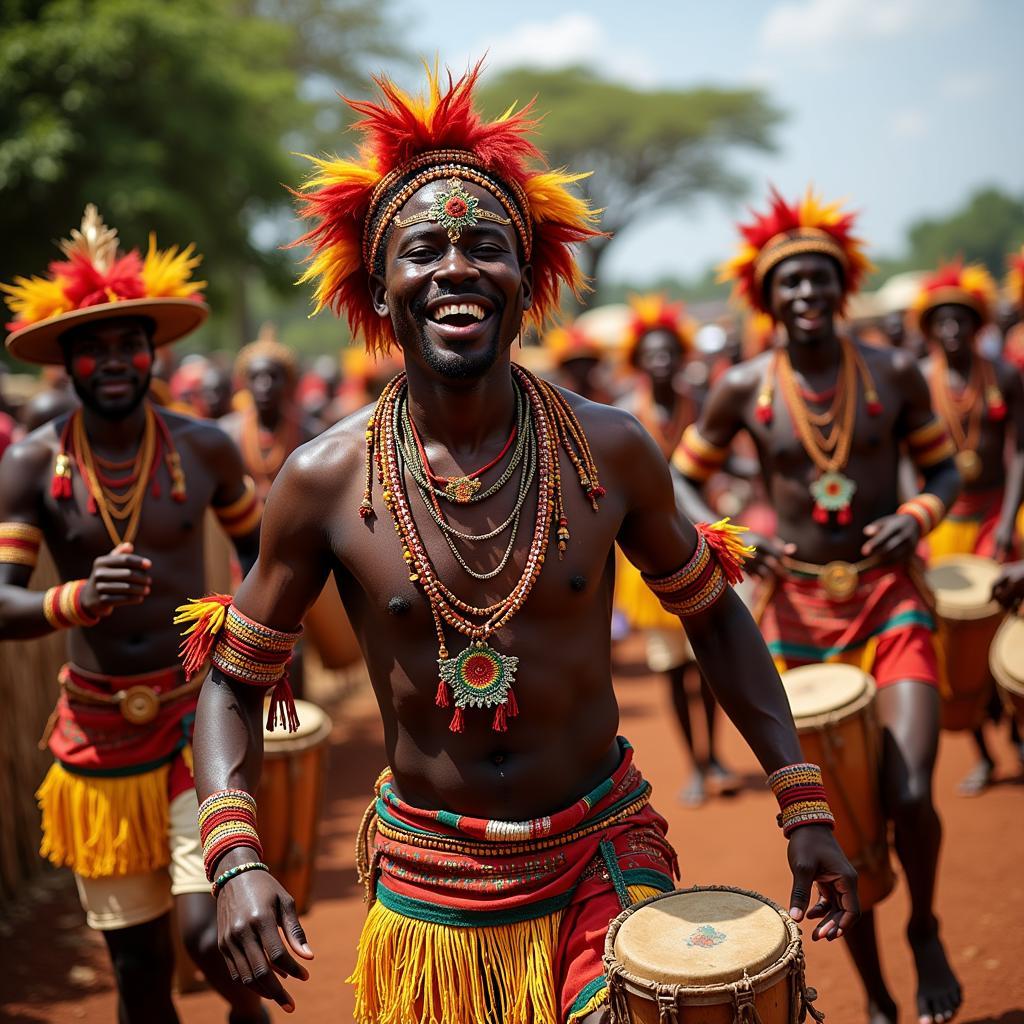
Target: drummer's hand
column 1008, row 589
column 253, row 911
column 766, row 561
column 814, row 856
column 892, row 537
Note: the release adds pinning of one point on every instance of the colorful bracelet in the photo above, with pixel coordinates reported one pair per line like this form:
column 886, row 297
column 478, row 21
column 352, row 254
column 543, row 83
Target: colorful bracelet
column 926, row 509
column 800, row 791
column 62, row 606
column 227, row 820
column 238, row 869
column 20, row 543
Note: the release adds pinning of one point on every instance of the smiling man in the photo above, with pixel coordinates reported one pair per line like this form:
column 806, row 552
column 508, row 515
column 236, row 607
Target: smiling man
column 118, row 491
column 829, row 416
column 469, row 520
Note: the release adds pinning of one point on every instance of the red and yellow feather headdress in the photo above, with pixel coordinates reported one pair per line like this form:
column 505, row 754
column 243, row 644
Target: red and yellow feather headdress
column 97, row 281
column 790, row 229
column 652, row 313
column 407, row 142
column 1015, row 278
column 568, row 341
column 959, row 284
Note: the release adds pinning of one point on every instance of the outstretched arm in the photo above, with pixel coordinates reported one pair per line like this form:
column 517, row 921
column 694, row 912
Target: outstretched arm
column 287, row 577
column 732, row 656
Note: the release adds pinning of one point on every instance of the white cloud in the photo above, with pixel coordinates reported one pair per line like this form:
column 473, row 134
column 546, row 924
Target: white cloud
column 817, row 25
column 570, row 38
column 909, row 125
column 968, row 85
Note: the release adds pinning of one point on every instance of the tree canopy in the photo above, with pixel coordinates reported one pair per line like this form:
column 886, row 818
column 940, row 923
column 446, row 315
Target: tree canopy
column 648, row 149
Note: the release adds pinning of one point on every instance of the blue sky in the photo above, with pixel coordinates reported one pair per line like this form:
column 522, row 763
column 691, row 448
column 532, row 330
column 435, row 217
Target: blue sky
column 902, row 106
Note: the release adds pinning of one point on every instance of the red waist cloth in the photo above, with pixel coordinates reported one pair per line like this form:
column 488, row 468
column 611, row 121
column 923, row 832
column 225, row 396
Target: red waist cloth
column 888, row 613
column 99, row 741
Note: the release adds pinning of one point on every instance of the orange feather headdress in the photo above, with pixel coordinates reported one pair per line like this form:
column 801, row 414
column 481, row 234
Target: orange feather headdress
column 652, row 313
column 958, row 284
column 97, row 281
column 790, row 229
column 1015, row 278
column 407, row 142
column 569, row 341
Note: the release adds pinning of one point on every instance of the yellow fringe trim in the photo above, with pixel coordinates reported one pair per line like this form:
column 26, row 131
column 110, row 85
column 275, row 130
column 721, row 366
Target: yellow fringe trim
column 101, row 827
column 414, row 972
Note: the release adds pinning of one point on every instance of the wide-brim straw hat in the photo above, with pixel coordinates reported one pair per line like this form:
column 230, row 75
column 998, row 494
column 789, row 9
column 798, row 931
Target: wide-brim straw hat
column 173, row 318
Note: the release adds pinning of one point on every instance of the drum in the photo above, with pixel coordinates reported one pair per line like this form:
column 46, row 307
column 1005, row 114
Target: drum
column 706, row 955
column 833, row 707
column 968, row 620
column 1006, row 660
column 289, row 800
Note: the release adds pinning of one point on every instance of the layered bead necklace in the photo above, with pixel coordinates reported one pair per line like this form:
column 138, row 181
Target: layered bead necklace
column 832, row 491
column 118, row 499
column 546, row 425
column 962, row 412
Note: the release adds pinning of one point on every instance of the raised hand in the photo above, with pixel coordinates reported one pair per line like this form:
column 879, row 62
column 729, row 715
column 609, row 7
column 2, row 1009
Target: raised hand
column 117, row 579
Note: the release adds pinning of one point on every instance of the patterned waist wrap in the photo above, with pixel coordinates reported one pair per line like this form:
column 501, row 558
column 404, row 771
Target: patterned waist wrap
column 105, row 799
column 884, row 626
column 970, row 526
column 483, row 920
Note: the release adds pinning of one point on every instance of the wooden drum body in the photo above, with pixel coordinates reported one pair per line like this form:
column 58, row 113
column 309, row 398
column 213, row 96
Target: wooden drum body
column 833, row 707
column 289, row 800
column 968, row 620
column 1006, row 660
column 706, row 955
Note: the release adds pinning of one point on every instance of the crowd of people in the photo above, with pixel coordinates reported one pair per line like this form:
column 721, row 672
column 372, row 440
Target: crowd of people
column 511, row 824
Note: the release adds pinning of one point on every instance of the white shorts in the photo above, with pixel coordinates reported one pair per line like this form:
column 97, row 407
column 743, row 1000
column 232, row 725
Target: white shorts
column 120, row 901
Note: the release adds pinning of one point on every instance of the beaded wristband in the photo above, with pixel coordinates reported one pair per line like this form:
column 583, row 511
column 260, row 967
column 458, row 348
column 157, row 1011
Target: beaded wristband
column 62, row 606
column 19, row 544
column 227, row 820
column 926, row 509
column 238, row 869
column 800, row 791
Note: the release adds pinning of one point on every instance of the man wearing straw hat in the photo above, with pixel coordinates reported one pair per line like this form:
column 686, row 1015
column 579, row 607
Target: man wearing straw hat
column 118, row 490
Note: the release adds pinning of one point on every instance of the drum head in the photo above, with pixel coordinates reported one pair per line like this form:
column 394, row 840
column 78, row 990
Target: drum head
column 815, row 690
column 314, row 726
column 963, row 586
column 702, row 937
column 1006, row 656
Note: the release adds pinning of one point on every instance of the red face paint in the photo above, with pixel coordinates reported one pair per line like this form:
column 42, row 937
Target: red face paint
column 84, row 366
column 142, row 361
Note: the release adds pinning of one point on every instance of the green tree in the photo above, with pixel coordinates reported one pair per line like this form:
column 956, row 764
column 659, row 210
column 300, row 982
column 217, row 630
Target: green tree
column 649, row 150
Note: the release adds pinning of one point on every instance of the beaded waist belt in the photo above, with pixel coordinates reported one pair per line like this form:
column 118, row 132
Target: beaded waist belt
column 138, row 703
column 838, row 578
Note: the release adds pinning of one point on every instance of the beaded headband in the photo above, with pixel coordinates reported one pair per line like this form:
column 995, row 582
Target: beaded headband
column 795, row 243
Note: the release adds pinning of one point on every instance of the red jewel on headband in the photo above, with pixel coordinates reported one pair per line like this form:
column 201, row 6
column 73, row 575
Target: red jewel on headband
column 84, row 366
column 456, row 207
column 142, row 361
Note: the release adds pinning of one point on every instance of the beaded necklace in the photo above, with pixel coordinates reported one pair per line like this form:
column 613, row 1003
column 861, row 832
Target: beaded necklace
column 480, row 676
column 264, row 460
column 955, row 409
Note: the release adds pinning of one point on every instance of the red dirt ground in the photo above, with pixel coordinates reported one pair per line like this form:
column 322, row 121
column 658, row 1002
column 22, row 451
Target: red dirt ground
column 54, row 969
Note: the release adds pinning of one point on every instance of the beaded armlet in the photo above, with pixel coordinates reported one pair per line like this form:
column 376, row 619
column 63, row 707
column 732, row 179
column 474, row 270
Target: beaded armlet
column 930, row 444
column 716, row 563
column 20, row 543
column 243, row 515
column 240, row 648
column 698, row 459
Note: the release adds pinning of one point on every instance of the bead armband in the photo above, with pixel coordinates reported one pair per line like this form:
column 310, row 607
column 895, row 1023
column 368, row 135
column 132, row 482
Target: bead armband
column 241, row 648
column 243, row 515
column 227, row 820
column 716, row 562
column 930, row 444
column 800, row 791
column 927, row 509
column 20, row 543
column 698, row 459
column 62, row 606
column 238, row 869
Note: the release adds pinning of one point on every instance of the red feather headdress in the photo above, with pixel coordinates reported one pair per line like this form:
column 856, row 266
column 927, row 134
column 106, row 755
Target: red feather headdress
column 407, row 142
column 789, row 229
column 955, row 283
column 569, row 341
column 652, row 313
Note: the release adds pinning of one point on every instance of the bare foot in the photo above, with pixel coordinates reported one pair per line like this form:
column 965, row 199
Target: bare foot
column 938, row 992
column 882, row 1011
column 693, row 793
column 977, row 780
